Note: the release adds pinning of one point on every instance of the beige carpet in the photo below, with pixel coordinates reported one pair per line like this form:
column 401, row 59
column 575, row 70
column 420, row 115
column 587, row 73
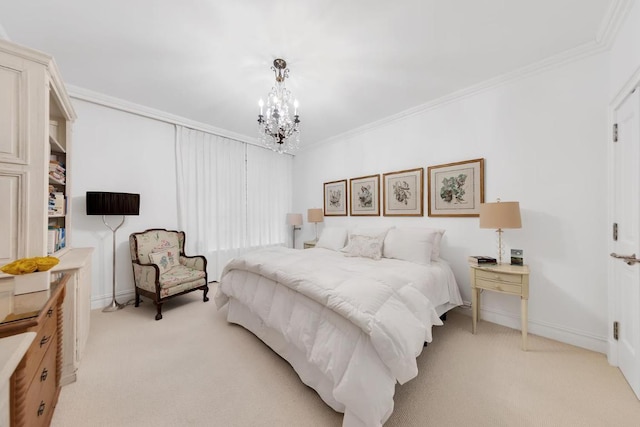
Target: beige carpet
column 193, row 368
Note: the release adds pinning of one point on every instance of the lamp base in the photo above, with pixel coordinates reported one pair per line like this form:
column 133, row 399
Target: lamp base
column 114, row 306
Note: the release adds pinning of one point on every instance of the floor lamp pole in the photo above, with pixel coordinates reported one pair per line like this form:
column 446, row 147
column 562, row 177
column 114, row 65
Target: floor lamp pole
column 115, row 305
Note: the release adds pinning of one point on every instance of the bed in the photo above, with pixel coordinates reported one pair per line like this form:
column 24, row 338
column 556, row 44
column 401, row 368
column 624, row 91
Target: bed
column 350, row 324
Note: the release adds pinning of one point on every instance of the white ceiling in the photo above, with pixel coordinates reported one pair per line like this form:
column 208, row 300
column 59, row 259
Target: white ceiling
column 351, row 62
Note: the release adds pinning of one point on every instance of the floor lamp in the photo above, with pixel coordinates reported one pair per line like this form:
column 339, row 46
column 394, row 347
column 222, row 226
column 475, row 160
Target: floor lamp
column 295, row 220
column 101, row 203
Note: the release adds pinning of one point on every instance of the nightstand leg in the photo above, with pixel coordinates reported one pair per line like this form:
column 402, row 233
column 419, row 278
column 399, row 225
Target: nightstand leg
column 475, row 300
column 524, row 320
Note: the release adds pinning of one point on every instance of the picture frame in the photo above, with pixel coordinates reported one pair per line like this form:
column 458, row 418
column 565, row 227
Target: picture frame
column 365, row 196
column 456, row 189
column 403, row 193
column 335, row 198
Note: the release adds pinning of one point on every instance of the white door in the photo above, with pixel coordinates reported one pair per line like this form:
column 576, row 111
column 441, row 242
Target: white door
column 626, row 248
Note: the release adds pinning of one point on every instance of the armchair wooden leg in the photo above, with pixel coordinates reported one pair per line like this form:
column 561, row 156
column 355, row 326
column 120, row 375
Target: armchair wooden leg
column 205, row 298
column 159, row 308
column 137, row 298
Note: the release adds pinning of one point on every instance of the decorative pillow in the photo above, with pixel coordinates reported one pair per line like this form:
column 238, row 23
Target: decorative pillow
column 165, row 260
column 364, row 246
column 332, row 238
column 378, row 232
column 372, row 231
column 413, row 245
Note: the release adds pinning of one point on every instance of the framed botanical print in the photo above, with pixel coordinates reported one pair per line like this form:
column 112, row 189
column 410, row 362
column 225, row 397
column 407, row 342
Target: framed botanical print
column 456, row 189
column 403, row 193
column 365, row 196
column 335, row 198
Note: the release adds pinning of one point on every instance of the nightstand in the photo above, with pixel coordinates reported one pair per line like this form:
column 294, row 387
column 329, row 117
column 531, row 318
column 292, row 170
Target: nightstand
column 506, row 278
column 310, row 244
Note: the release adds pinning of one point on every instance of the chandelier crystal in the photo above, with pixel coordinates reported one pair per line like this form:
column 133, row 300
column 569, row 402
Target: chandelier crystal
column 278, row 130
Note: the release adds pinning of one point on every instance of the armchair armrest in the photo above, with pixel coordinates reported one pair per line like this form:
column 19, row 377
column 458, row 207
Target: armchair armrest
column 146, row 276
column 197, row 262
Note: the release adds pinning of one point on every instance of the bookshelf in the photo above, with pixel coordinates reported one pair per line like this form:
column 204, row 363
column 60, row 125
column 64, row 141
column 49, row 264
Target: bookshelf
column 35, row 126
column 57, row 200
column 36, row 119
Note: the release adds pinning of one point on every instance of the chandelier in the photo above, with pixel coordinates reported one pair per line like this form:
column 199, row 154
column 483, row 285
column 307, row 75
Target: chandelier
column 278, row 131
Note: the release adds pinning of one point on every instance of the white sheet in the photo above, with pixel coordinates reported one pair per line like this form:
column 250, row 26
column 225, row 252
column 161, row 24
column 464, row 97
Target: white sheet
column 359, row 323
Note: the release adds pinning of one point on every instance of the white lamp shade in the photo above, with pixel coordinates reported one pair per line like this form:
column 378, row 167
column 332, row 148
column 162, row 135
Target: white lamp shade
column 315, row 215
column 294, row 219
column 500, row 215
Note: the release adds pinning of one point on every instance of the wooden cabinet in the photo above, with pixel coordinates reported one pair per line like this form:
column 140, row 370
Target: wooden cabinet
column 35, row 384
column 77, row 309
column 35, row 121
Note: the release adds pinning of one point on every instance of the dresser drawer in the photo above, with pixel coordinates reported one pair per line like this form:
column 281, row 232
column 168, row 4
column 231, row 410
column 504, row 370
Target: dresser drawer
column 501, row 277
column 41, row 343
column 39, row 399
column 499, row 286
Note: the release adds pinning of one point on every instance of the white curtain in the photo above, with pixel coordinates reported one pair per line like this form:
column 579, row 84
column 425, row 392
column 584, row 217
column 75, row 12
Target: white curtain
column 269, row 194
column 232, row 197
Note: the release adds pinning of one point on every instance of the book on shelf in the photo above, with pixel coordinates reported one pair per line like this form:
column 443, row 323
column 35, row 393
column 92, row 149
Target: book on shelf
column 57, row 203
column 482, row 260
column 56, row 239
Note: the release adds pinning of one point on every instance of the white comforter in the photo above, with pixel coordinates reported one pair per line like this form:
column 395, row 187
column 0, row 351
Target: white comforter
column 389, row 305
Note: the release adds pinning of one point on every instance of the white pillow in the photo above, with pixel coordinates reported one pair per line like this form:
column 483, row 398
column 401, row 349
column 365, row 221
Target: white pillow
column 333, row 238
column 435, row 255
column 364, row 246
column 165, row 260
column 418, row 245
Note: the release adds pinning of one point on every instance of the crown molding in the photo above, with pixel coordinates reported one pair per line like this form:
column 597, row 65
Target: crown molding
column 101, row 99
column 3, row 33
column 609, row 28
column 612, row 21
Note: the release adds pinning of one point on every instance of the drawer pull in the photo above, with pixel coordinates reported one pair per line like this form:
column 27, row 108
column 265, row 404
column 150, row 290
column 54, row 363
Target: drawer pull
column 44, row 340
column 41, row 408
column 50, row 312
column 44, row 375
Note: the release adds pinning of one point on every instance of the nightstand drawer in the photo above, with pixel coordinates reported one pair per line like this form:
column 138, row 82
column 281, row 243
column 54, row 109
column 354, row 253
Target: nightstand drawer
column 499, row 286
column 501, row 277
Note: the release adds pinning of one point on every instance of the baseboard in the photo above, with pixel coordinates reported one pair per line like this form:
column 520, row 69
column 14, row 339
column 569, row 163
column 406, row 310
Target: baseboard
column 102, row 301
column 543, row 329
column 68, row 379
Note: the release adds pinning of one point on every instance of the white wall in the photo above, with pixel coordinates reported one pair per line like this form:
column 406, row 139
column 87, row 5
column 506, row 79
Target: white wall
column 120, row 152
column 543, row 140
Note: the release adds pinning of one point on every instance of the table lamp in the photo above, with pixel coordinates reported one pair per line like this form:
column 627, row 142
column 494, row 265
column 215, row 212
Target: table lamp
column 315, row 216
column 295, row 220
column 500, row 215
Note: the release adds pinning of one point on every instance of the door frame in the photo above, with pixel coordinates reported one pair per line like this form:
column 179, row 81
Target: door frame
column 618, row 99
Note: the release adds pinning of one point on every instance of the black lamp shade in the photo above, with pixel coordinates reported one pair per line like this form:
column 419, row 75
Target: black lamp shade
column 101, row 203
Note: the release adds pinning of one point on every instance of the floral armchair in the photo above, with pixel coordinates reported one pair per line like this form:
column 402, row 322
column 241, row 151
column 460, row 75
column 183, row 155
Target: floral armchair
column 161, row 270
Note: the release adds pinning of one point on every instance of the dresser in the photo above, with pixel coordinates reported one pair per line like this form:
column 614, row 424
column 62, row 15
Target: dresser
column 35, row 383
